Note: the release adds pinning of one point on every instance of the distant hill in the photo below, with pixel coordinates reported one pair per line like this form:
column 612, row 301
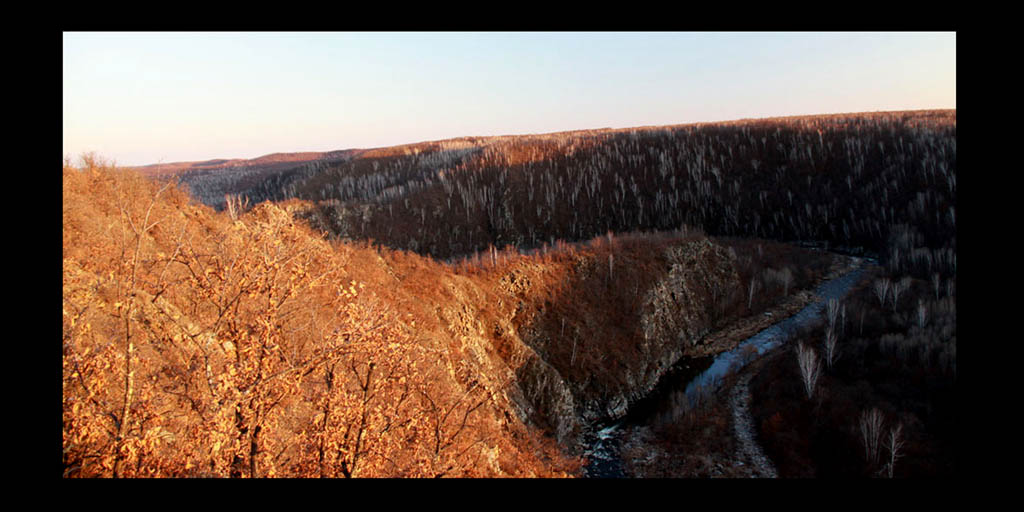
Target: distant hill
column 837, row 179
column 270, row 161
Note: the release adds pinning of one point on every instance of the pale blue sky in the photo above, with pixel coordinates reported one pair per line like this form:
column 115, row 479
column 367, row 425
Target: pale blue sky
column 140, row 98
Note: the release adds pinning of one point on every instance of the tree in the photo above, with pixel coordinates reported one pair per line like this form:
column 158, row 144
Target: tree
column 897, row 289
column 266, row 282
column 894, row 445
column 810, row 367
column 236, row 205
column 882, row 290
column 110, row 424
column 787, row 279
column 870, row 428
column 366, row 406
column 831, row 352
column 832, row 312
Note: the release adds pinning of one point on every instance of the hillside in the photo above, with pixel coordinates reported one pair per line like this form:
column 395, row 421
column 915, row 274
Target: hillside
column 262, row 177
column 470, row 307
column 200, row 345
column 846, row 180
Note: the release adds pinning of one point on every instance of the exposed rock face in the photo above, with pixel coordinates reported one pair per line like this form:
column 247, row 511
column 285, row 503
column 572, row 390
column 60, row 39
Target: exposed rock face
column 579, row 363
column 562, row 344
column 518, row 377
column 678, row 314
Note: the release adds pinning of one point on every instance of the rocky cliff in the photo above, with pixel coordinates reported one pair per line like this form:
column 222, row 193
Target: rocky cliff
column 576, row 338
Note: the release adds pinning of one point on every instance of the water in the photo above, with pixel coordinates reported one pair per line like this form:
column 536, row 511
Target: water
column 772, row 336
column 603, row 444
column 603, row 452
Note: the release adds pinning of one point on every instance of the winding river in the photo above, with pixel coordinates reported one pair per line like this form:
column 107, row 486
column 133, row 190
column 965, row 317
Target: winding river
column 691, row 379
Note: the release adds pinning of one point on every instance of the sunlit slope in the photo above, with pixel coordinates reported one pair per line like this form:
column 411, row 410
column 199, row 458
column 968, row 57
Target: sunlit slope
column 199, row 345
column 256, row 347
column 849, row 180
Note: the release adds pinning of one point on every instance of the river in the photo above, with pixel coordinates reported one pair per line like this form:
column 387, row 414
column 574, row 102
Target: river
column 691, row 380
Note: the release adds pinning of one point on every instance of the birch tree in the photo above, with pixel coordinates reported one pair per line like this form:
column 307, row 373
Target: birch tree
column 897, row 289
column 831, row 352
column 787, row 279
column 894, row 444
column 832, row 310
column 810, row 367
column 870, row 429
column 882, row 290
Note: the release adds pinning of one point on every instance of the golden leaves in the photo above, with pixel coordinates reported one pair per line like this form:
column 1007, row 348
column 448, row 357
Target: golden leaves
column 283, row 309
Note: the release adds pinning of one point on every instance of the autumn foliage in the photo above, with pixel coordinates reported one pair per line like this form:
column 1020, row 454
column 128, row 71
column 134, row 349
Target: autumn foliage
column 195, row 345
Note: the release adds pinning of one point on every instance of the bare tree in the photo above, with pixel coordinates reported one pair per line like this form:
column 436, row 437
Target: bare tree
column 611, row 263
column 810, row 367
column 842, row 324
column 831, row 353
column 870, row 425
column 236, row 205
column 787, row 279
column 897, row 289
column 922, row 313
column 751, row 290
column 832, row 310
column 882, row 290
column 894, row 443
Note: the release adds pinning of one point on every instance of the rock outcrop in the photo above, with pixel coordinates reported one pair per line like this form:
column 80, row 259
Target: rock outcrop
column 581, row 348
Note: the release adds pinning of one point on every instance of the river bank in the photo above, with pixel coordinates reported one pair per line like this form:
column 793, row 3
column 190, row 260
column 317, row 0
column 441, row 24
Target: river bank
column 706, row 429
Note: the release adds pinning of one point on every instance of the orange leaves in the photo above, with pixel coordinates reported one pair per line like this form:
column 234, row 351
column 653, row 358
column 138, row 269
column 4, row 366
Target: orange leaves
column 235, row 326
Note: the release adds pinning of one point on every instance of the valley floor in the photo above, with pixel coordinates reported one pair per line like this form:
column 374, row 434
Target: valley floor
column 719, row 441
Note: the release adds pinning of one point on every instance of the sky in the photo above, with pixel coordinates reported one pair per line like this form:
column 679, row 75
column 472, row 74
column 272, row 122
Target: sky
column 151, row 97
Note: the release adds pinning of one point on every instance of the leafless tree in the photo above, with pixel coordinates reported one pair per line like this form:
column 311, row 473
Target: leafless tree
column 882, row 290
column 842, row 323
column 870, row 434
column 897, row 289
column 611, row 263
column 831, row 353
column 235, row 205
column 894, row 443
column 751, row 290
column 810, row 367
column 922, row 313
column 787, row 279
column 832, row 310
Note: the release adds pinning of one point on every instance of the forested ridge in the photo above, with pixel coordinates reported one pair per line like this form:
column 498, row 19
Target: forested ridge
column 465, row 307
column 198, row 345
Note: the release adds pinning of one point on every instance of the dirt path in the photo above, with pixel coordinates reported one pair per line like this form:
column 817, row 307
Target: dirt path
column 733, row 451
column 748, row 451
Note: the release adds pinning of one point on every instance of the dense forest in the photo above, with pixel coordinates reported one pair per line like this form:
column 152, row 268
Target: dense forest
column 848, row 180
column 467, row 307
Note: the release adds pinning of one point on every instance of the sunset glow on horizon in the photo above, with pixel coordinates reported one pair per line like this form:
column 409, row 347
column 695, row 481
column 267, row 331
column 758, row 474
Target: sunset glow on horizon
column 144, row 98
